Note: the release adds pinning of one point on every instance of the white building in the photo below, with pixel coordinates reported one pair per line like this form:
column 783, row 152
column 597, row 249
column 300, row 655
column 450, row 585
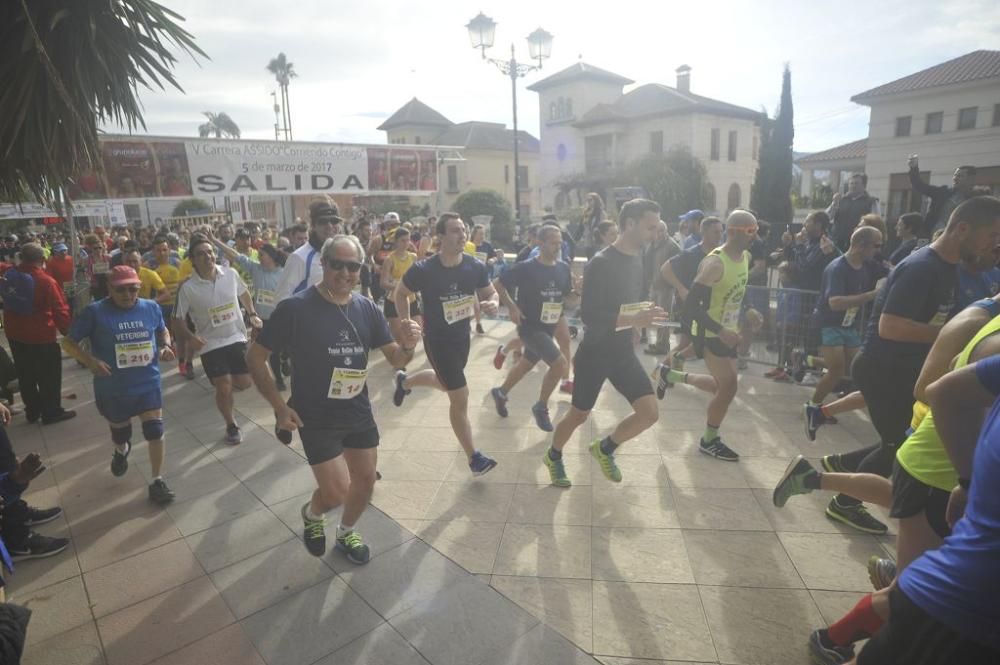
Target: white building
column 948, row 114
column 590, row 126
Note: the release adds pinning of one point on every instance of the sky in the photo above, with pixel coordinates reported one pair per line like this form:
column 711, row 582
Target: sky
column 357, row 63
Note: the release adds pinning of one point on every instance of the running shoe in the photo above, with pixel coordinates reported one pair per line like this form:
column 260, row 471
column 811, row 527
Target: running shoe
column 400, row 392
column 499, row 358
column 557, row 472
column 313, row 533
column 566, row 387
column 792, row 481
column 773, row 372
column 831, row 464
column 607, row 462
column 160, row 493
column 824, row 652
column 499, row 401
column 189, row 371
column 234, row 436
column 798, row 365
column 856, row 517
column 783, row 377
column 881, row 571
column 541, row 414
column 353, row 547
column 36, row 546
column 119, row 461
column 38, row 516
column 480, row 464
column 479, row 329
column 814, row 419
column 662, row 372
column 717, row 449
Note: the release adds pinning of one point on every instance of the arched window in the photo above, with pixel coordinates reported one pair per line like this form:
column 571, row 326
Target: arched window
column 710, row 197
column 735, row 197
column 561, row 108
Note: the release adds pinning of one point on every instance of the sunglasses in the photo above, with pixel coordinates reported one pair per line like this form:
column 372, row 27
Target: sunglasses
column 337, row 264
column 126, row 289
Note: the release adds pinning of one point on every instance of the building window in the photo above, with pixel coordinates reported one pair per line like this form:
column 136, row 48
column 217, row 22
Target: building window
column 656, row 143
column 522, row 177
column 996, row 115
column 552, row 111
column 903, row 125
column 967, row 118
column 755, row 141
column 709, row 196
column 452, row 178
column 569, row 108
column 934, row 122
column 715, row 145
column 732, row 145
column 561, row 152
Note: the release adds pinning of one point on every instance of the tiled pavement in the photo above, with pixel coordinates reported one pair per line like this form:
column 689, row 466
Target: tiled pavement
column 685, row 561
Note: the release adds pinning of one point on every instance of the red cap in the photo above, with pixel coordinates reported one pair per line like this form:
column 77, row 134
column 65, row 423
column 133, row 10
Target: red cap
column 122, row 275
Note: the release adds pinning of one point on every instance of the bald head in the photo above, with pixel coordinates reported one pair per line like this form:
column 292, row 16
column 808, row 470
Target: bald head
column 740, row 219
column 31, row 252
column 866, row 236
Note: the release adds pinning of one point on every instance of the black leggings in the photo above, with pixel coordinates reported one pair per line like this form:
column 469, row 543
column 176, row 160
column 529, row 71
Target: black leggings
column 887, row 386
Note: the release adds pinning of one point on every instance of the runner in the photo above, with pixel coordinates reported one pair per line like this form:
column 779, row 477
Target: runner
column 612, row 314
column 151, row 287
column 304, row 267
column 449, row 284
column 329, row 331
column 542, row 284
column 128, row 338
column 394, row 266
column 164, row 264
column 212, row 298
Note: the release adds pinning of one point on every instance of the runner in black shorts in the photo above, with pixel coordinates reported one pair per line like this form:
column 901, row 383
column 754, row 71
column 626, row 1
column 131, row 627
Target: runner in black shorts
column 542, row 284
column 449, row 283
column 329, row 331
column 612, row 313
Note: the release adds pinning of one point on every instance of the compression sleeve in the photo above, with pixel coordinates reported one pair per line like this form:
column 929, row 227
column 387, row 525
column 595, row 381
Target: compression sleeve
column 696, row 308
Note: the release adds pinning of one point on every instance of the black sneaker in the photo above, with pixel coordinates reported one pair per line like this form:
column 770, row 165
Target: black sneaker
column 831, row 464
column 479, row 329
column 717, row 449
column 353, row 547
column 314, row 533
column 38, row 516
column 234, row 436
column 119, row 461
column 65, row 414
column 160, row 493
column 856, row 517
column 824, row 652
column 37, row 547
column 815, row 418
column 662, row 372
column 283, row 435
column 400, row 392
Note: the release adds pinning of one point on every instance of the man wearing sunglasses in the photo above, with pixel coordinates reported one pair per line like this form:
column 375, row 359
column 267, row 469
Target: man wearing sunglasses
column 128, row 338
column 212, row 297
column 450, row 283
column 328, row 331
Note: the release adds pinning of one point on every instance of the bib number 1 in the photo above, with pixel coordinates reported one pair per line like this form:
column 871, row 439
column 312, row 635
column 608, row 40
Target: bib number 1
column 347, row 383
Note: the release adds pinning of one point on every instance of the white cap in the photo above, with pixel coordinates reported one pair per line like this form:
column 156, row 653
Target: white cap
column 391, row 217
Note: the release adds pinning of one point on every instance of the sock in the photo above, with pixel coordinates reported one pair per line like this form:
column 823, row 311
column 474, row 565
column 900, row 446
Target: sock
column 813, row 480
column 679, row 358
column 122, row 448
column 343, row 530
column 711, row 433
column 860, row 623
column 673, row 376
column 555, row 455
column 811, row 361
column 813, row 404
column 608, row 446
column 155, row 478
column 826, row 411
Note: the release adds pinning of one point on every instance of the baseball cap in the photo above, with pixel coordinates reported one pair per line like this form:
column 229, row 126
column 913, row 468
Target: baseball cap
column 322, row 210
column 60, row 247
column 391, row 217
column 695, row 215
column 123, row 275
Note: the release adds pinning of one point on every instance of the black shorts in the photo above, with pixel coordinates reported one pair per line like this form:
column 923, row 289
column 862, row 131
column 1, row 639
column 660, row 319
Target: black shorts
column 718, row 348
column 911, row 497
column 593, row 365
column 230, row 360
column 539, row 345
column 322, row 445
column 448, row 357
column 913, row 637
column 389, row 309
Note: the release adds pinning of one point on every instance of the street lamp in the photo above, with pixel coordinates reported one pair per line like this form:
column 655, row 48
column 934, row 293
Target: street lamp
column 482, row 30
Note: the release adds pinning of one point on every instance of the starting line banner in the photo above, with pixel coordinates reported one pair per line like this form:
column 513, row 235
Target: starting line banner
column 138, row 167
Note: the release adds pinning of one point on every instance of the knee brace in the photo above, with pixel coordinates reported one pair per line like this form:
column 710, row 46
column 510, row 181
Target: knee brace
column 121, row 435
column 152, row 430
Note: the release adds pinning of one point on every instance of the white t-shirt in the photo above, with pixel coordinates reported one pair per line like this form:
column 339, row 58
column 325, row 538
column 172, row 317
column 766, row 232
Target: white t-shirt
column 295, row 271
column 214, row 307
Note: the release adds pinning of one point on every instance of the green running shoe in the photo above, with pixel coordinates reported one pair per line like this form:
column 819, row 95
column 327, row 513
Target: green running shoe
column 313, row 533
column 607, row 462
column 353, row 547
column 557, row 472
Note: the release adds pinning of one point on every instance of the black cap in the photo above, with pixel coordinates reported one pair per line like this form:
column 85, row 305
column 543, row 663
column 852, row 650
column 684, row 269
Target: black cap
column 323, row 211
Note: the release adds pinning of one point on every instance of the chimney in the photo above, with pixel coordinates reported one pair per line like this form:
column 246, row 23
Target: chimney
column 684, row 78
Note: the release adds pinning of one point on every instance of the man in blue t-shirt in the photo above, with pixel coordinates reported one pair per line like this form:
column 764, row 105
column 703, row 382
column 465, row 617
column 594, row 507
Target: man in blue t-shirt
column 449, row 283
column 128, row 338
column 542, row 284
column 328, row 332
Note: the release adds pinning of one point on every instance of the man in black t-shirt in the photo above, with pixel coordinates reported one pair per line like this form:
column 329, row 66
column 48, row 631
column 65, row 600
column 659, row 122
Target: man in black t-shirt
column 328, row 332
column 909, row 312
column 450, row 283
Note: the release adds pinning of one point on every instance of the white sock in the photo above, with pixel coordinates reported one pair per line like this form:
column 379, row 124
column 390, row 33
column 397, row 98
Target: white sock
column 343, row 530
column 309, row 514
column 122, row 448
column 157, row 478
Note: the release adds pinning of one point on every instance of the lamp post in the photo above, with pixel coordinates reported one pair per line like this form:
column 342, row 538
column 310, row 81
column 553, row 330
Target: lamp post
column 482, row 30
column 277, row 110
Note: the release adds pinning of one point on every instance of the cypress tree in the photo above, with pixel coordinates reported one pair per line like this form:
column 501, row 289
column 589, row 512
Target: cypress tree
column 770, row 196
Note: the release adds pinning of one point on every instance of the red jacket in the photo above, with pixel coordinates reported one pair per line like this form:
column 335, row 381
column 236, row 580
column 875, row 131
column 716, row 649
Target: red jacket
column 60, row 268
column 51, row 312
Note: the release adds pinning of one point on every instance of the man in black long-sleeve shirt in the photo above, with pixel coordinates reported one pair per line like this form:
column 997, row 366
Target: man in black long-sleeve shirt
column 612, row 311
column 944, row 199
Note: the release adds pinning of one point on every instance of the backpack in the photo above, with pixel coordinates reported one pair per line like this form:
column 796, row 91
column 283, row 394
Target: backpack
column 18, row 292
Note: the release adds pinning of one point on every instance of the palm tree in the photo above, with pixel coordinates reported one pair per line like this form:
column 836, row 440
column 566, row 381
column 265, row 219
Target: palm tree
column 219, row 124
column 284, row 72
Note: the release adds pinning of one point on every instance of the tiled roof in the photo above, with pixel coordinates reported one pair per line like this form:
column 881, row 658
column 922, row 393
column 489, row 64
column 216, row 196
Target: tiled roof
column 415, row 112
column 656, row 99
column 577, row 71
column 485, row 136
column 969, row 67
column 852, row 150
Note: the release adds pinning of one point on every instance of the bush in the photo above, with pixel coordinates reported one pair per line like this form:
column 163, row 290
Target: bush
column 194, row 206
column 488, row 202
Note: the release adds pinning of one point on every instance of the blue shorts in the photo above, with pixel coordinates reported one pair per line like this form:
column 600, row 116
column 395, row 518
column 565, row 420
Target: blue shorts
column 837, row 336
column 119, row 408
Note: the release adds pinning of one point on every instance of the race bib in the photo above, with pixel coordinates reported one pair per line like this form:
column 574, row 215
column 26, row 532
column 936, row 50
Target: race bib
column 458, row 309
column 731, row 317
column 134, row 354
column 101, row 267
column 849, row 317
column 223, row 314
column 481, row 257
column 631, row 308
column 265, row 297
column 347, row 383
column 551, row 311
column 941, row 317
